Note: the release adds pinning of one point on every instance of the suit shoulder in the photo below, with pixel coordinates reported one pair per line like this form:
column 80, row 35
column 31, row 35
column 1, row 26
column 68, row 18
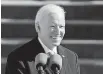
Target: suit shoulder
column 72, row 56
column 69, row 52
column 20, row 52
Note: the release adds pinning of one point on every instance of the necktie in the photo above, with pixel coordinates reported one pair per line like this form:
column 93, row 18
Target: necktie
column 50, row 53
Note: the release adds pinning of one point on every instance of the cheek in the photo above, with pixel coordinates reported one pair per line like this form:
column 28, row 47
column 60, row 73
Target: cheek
column 44, row 30
column 63, row 32
column 47, row 32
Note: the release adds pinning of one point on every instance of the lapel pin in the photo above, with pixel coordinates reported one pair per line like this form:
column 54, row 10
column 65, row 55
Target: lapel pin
column 63, row 56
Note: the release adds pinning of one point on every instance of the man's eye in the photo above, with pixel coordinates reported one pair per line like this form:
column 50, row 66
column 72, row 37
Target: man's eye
column 52, row 26
column 62, row 26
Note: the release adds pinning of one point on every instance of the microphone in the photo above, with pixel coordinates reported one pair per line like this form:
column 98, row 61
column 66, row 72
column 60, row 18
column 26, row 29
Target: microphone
column 55, row 63
column 40, row 62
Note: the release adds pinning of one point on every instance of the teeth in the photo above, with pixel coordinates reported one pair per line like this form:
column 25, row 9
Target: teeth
column 55, row 37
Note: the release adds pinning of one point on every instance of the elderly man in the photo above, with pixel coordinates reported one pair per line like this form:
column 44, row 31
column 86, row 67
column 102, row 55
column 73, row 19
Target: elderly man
column 50, row 27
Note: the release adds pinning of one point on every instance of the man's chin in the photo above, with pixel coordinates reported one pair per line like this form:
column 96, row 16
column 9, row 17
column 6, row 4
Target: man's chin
column 56, row 44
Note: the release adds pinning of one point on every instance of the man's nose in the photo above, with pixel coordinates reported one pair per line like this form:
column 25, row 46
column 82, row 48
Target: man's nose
column 57, row 31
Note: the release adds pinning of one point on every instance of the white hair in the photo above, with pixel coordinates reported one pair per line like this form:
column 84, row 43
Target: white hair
column 49, row 8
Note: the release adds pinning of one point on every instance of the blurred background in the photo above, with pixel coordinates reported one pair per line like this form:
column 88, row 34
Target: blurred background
column 84, row 29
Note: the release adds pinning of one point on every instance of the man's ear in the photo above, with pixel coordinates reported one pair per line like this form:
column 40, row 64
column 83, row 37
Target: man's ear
column 37, row 27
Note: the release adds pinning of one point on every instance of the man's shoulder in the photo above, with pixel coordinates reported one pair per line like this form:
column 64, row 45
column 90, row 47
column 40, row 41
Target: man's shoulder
column 21, row 51
column 68, row 52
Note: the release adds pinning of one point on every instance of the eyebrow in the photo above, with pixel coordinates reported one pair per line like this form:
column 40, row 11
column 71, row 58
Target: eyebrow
column 54, row 24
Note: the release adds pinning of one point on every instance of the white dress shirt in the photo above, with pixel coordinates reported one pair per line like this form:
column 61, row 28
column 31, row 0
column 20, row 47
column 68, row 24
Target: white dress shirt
column 46, row 49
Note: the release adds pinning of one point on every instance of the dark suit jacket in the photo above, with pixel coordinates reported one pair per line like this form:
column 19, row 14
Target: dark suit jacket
column 21, row 60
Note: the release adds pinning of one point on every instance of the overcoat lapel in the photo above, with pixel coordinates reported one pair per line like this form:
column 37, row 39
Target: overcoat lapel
column 64, row 59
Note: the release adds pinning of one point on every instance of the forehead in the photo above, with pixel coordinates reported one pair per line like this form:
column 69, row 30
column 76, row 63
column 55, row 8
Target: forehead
column 56, row 15
column 56, row 18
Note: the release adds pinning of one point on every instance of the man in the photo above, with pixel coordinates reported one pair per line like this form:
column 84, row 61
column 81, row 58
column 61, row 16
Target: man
column 50, row 26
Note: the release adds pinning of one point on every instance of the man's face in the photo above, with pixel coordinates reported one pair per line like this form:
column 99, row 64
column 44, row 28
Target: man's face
column 52, row 29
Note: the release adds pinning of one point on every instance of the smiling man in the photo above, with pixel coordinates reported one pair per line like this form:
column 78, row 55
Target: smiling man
column 50, row 27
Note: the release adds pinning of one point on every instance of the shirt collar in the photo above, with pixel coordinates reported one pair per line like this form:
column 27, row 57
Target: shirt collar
column 46, row 49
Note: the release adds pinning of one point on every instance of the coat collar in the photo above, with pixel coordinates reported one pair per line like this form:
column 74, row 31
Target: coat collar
column 36, row 44
column 37, row 48
column 61, row 51
column 33, row 48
